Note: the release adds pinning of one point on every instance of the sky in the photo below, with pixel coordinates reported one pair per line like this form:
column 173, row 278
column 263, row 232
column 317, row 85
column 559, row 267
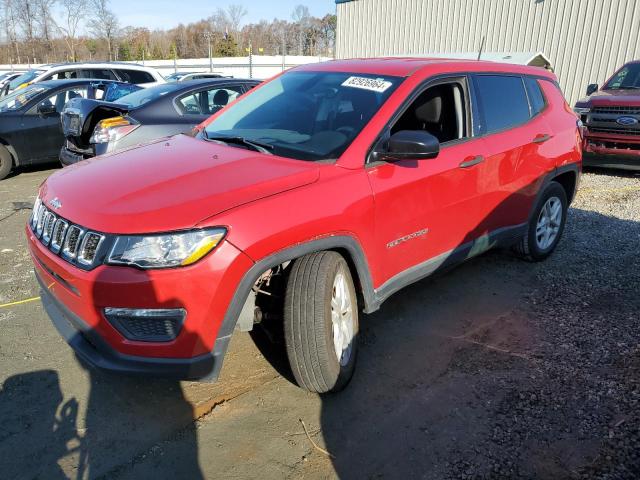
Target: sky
column 169, row 13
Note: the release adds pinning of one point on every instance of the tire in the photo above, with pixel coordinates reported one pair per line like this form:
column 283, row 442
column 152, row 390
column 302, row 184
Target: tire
column 540, row 241
column 315, row 286
column 6, row 162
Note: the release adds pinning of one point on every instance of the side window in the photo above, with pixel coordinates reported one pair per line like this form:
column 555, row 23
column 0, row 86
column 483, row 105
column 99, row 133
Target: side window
column 502, row 100
column 61, row 98
column 441, row 110
column 135, row 76
column 191, row 104
column 206, row 102
column 99, row 73
column 221, row 97
column 534, row 92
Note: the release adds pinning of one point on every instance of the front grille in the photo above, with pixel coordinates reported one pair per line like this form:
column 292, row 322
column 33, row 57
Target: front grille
column 74, row 243
column 616, row 131
column 617, row 110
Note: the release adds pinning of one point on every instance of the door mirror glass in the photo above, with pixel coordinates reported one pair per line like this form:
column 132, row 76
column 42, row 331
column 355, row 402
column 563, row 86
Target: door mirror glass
column 411, row 144
column 46, row 108
column 593, row 87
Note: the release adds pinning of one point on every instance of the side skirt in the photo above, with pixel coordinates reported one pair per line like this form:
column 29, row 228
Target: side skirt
column 505, row 236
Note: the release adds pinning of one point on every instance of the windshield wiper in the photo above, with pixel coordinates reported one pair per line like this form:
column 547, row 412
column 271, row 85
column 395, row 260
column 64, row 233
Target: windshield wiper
column 255, row 145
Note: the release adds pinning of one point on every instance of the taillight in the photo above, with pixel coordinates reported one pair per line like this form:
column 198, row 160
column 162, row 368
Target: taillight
column 112, row 129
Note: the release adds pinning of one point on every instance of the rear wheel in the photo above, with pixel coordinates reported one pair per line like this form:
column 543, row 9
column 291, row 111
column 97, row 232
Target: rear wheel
column 546, row 224
column 6, row 162
column 321, row 322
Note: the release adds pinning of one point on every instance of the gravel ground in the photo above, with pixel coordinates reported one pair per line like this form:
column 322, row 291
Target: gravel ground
column 499, row 369
column 574, row 395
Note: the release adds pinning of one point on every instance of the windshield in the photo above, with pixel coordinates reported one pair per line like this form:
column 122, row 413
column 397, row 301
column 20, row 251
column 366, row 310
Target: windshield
column 627, row 78
column 18, row 99
column 25, row 78
column 146, row 95
column 306, row 115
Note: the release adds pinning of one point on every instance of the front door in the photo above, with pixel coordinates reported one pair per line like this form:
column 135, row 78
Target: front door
column 425, row 210
column 44, row 131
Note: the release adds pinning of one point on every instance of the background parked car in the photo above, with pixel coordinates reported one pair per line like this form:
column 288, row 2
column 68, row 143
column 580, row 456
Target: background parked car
column 30, row 119
column 7, row 77
column 116, row 71
column 184, row 76
column 96, row 127
column 611, row 116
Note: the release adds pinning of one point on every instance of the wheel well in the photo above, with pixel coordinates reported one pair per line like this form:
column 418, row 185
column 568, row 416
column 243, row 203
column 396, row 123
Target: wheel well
column 12, row 153
column 568, row 182
column 354, row 274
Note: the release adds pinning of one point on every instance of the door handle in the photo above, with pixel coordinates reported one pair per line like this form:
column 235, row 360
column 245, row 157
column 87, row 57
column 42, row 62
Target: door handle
column 541, row 138
column 471, row 161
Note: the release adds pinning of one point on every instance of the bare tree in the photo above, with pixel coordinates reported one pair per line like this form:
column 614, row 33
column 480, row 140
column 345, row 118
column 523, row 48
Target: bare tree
column 235, row 14
column 104, row 23
column 73, row 12
column 301, row 17
column 10, row 23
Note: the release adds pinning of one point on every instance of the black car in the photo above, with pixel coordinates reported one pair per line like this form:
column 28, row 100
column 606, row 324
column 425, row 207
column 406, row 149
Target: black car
column 30, row 118
column 96, row 127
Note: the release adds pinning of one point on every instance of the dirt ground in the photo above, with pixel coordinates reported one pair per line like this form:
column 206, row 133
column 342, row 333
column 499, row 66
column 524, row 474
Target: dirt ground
column 497, row 369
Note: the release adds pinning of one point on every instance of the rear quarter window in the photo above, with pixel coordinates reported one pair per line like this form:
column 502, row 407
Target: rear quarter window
column 534, row 92
column 502, row 100
column 135, row 76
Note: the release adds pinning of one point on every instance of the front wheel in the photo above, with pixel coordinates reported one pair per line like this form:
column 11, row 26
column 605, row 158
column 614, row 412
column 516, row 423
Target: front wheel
column 321, row 322
column 545, row 225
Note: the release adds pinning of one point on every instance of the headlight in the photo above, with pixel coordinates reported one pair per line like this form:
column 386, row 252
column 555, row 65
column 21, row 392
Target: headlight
column 165, row 250
column 582, row 110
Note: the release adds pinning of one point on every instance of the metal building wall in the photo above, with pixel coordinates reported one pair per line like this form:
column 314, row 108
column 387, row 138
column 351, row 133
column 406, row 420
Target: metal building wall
column 586, row 40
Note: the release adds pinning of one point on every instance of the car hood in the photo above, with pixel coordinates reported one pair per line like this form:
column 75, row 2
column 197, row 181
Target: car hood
column 171, row 184
column 606, row 98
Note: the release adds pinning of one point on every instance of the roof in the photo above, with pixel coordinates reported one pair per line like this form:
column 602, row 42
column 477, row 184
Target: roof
column 535, row 59
column 406, row 66
column 72, row 82
column 135, row 66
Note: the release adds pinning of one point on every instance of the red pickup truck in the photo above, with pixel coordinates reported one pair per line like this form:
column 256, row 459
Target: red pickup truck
column 611, row 119
column 310, row 199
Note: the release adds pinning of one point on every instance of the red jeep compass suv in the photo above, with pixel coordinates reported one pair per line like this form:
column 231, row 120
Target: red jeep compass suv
column 310, row 199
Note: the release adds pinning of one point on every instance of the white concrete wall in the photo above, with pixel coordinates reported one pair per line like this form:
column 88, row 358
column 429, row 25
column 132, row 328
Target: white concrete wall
column 264, row 66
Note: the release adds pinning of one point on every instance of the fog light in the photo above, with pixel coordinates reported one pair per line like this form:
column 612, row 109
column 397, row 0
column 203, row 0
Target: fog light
column 147, row 324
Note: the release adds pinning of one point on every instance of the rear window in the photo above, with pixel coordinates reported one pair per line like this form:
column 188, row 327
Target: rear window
column 135, row 76
column 536, row 99
column 146, row 95
column 502, row 100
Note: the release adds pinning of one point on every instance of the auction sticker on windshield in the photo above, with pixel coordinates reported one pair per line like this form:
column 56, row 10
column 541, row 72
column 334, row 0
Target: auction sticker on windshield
column 374, row 84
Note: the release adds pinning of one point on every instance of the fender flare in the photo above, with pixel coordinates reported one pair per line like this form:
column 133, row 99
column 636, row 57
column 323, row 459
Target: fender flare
column 335, row 242
column 550, row 177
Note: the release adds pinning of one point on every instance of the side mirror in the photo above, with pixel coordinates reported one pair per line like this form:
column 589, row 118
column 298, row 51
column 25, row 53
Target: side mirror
column 410, row 145
column 46, row 109
column 591, row 88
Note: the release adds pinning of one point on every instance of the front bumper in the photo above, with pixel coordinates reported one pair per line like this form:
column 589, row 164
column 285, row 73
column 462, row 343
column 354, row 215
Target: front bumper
column 68, row 157
column 75, row 300
column 614, row 151
column 93, row 350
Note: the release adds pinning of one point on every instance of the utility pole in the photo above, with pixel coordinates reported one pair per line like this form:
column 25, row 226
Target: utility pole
column 208, row 35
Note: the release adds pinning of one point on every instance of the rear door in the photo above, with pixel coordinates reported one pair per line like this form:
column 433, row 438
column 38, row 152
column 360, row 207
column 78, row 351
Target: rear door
column 514, row 132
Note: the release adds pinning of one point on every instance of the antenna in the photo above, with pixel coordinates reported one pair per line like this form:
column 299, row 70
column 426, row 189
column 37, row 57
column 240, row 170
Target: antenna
column 481, row 47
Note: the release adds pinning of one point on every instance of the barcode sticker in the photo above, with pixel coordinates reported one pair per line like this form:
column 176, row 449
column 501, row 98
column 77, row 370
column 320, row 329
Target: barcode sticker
column 374, row 84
